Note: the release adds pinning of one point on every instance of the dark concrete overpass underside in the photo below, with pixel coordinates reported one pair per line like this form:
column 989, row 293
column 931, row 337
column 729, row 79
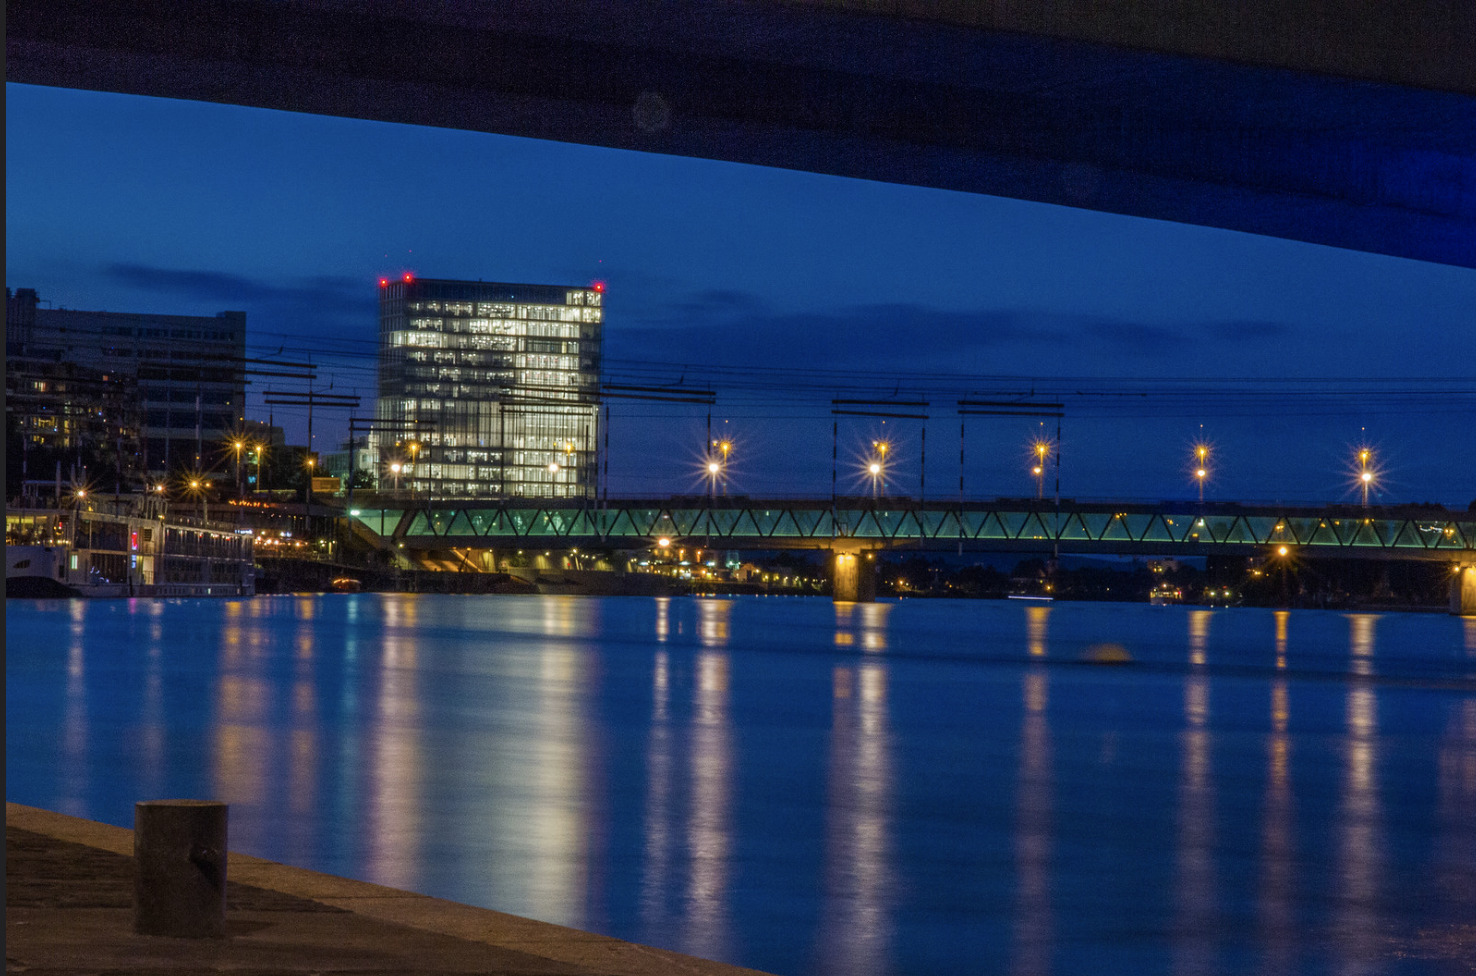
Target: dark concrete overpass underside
column 1315, row 121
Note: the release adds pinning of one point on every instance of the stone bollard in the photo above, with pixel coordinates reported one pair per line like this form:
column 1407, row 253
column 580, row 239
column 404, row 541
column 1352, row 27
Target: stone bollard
column 179, row 879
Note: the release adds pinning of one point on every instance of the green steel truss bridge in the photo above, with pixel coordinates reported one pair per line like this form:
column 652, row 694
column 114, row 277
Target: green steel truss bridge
column 858, row 524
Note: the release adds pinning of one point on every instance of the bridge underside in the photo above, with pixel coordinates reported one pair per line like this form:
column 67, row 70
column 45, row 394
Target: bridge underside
column 855, row 525
column 1025, row 104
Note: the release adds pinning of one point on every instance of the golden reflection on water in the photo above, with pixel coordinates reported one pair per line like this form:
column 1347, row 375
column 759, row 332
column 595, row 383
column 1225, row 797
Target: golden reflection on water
column 712, row 621
column 862, row 625
column 1199, row 628
column 394, row 763
column 1359, row 826
column 663, row 618
column 1195, row 880
column 709, row 827
column 554, row 828
column 241, row 740
column 560, row 615
column 1033, row 923
column 655, row 878
column 153, row 722
column 874, row 625
column 1361, row 641
column 1037, row 626
column 856, row 925
column 74, row 711
column 1282, row 616
column 1275, row 907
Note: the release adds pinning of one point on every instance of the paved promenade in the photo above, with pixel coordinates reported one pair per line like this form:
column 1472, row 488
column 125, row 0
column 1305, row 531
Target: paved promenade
column 69, row 910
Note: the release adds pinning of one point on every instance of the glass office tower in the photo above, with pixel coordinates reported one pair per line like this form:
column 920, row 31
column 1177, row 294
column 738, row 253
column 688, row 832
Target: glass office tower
column 488, row 389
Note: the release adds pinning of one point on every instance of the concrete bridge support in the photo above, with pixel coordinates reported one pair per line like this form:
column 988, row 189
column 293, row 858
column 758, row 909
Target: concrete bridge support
column 852, row 573
column 1463, row 591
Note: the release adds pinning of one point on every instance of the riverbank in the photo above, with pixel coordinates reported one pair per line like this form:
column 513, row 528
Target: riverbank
column 69, row 909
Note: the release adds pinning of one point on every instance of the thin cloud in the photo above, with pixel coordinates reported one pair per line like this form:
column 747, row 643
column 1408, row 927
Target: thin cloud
column 324, row 303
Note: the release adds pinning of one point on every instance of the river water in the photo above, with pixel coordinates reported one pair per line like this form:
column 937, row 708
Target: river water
column 803, row 787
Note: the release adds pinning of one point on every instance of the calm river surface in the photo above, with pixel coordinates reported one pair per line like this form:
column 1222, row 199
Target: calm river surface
column 917, row 787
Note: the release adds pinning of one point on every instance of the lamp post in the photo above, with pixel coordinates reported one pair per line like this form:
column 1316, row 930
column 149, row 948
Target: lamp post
column 1042, row 451
column 197, row 487
column 1201, row 467
column 237, row 445
column 878, row 466
column 1365, row 474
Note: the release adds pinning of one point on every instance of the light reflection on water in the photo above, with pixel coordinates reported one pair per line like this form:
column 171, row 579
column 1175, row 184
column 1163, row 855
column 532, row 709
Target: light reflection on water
column 800, row 786
column 855, row 928
column 1033, row 817
column 1276, row 895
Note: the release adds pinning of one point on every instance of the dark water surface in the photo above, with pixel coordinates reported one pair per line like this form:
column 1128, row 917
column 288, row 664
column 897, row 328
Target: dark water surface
column 923, row 787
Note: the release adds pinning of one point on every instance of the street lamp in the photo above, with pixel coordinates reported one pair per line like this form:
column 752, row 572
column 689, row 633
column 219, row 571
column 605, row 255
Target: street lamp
column 237, row 445
column 395, row 470
column 1199, row 466
column 1365, row 473
column 197, row 488
column 414, row 448
column 877, row 467
column 1040, row 450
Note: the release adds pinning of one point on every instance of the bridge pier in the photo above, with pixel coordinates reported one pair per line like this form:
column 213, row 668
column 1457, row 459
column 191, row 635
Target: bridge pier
column 852, row 573
column 1463, row 591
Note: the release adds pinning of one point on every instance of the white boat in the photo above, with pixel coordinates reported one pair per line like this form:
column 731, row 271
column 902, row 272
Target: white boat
column 135, row 550
column 1166, row 595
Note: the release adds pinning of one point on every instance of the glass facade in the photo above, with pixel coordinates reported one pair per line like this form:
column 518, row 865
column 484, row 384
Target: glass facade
column 490, row 388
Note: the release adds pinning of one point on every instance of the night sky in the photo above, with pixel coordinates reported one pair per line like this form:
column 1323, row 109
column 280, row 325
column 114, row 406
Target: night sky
column 783, row 290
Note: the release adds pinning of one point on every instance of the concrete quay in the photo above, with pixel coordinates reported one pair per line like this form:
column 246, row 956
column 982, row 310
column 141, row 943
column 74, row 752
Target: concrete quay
column 69, row 910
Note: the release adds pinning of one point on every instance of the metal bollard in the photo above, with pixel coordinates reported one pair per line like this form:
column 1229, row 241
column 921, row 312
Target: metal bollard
column 179, row 879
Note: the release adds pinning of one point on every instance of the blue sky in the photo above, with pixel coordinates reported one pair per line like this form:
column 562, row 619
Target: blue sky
column 132, row 204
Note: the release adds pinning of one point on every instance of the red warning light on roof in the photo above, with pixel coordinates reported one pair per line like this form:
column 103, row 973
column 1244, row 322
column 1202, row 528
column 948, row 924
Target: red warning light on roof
column 383, row 282
column 599, row 286
column 409, row 277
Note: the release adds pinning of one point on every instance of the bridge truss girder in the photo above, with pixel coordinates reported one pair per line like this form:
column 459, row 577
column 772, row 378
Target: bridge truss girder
column 1001, row 525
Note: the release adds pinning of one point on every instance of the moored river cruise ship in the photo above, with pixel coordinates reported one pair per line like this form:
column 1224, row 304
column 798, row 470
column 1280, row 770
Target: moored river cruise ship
column 136, row 549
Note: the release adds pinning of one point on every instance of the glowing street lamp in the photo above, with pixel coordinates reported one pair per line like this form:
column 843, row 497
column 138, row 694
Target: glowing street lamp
column 395, row 469
column 877, row 466
column 1042, row 450
column 1201, row 466
column 237, row 445
column 718, row 470
column 198, row 488
column 1365, row 473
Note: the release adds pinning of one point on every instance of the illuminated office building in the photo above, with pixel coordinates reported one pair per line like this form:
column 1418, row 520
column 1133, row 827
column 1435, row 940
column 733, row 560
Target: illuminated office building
column 499, row 378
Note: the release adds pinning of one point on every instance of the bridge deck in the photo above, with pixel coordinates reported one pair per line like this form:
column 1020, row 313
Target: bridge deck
column 1003, row 524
